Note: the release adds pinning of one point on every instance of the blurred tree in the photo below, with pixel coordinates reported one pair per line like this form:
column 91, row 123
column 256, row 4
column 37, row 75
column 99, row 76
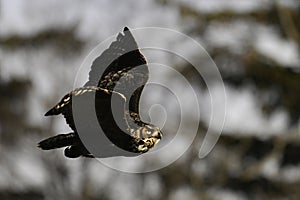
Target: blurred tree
column 253, row 166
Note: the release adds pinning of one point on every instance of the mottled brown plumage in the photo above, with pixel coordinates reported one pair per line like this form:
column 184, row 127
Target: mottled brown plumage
column 116, row 81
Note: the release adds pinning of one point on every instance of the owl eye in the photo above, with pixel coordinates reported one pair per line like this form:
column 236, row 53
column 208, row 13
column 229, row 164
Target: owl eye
column 148, row 132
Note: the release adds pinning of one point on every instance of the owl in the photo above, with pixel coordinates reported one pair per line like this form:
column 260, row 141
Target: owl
column 104, row 113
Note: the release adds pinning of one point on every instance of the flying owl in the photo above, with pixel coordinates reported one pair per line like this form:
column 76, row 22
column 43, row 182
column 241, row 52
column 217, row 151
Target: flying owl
column 105, row 111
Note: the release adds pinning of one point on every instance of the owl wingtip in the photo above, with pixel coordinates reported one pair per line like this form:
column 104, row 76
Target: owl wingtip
column 52, row 111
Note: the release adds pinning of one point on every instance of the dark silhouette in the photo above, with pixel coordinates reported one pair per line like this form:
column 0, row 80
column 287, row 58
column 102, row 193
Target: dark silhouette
column 104, row 113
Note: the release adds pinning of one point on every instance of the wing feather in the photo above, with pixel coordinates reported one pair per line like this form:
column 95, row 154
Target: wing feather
column 122, row 68
column 108, row 60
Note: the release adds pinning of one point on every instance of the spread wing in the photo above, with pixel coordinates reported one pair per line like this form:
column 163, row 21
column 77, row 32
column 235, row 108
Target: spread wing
column 109, row 60
column 122, row 68
column 65, row 108
column 98, row 114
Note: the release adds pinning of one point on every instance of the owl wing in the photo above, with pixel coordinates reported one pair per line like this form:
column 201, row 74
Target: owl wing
column 122, row 68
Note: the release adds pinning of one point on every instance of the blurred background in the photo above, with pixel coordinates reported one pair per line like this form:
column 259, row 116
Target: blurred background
column 255, row 44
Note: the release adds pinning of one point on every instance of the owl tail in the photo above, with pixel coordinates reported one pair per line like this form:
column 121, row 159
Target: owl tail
column 58, row 141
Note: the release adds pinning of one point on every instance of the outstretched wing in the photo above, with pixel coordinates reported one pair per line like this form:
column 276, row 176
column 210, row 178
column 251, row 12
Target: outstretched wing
column 100, row 115
column 109, row 60
column 122, row 68
column 64, row 107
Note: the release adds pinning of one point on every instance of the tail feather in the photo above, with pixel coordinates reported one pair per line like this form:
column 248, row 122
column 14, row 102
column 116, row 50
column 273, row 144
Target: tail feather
column 58, row 141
